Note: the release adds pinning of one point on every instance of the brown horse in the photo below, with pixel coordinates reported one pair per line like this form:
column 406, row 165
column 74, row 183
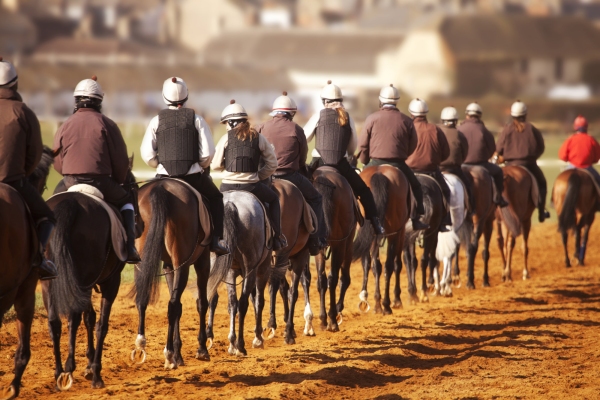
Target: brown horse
column 81, row 247
column 340, row 226
column 576, row 201
column 18, row 247
column 514, row 220
column 391, row 192
column 173, row 235
column 296, row 252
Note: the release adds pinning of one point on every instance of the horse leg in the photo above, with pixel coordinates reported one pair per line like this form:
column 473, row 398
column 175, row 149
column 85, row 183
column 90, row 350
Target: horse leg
column 344, row 280
column 456, row 269
column 89, row 320
column 510, row 245
column 172, row 351
column 170, row 278
column 274, row 287
column 308, row 314
column 322, row 286
column 212, row 307
column 577, row 231
column 73, row 326
column 363, row 304
column 526, row 228
column 423, row 298
column 233, row 310
column 485, row 254
column 138, row 355
column 565, row 241
column 377, row 270
column 298, row 263
column 410, row 259
column 337, row 255
column 389, row 271
column 248, row 287
column 472, row 249
column 283, row 292
column 202, row 267
column 261, row 283
column 586, row 232
column 397, row 269
column 63, row 381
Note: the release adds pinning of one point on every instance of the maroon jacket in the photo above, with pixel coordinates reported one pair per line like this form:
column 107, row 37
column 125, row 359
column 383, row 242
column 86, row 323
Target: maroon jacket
column 289, row 142
column 526, row 146
column 387, row 134
column 89, row 143
column 432, row 148
column 20, row 137
column 481, row 141
column 459, row 147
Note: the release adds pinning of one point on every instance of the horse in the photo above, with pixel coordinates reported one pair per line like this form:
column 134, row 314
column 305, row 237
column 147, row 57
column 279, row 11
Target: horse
column 391, row 193
column 18, row 249
column 340, row 225
column 297, row 255
column 514, row 220
column 246, row 237
column 575, row 199
column 81, row 247
column 174, row 235
column 480, row 222
column 433, row 201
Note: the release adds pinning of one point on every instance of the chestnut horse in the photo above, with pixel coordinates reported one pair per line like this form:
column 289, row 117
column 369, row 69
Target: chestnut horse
column 18, row 247
column 576, row 200
column 391, row 192
column 173, row 235
column 514, row 220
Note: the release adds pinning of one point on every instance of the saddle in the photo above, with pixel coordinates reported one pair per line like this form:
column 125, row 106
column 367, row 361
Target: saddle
column 358, row 215
column 535, row 190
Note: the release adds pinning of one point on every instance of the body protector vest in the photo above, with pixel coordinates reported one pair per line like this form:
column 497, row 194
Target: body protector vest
column 177, row 140
column 332, row 139
column 241, row 155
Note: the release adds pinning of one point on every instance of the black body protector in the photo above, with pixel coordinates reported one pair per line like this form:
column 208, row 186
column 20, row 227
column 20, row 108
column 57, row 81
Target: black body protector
column 241, row 155
column 177, row 140
column 332, row 139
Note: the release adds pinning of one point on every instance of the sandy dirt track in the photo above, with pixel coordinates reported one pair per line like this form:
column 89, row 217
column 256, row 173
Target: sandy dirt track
column 526, row 339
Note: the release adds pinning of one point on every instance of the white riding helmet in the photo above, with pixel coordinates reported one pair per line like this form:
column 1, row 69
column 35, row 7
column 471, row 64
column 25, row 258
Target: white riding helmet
column 474, row 109
column 389, row 95
column 174, row 91
column 449, row 114
column 418, row 107
column 518, row 109
column 8, row 74
column 331, row 92
column 89, row 88
column 285, row 103
column 233, row 111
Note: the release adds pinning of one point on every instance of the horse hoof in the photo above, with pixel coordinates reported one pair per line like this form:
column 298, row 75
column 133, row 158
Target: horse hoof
column 339, row 318
column 486, row 283
column 289, row 339
column 364, row 306
column 258, row 344
column 424, row 299
column 525, row 275
column 269, row 333
column 387, row 311
column 138, row 356
column 241, row 352
column 170, row 365
column 456, row 282
column 397, row 305
column 209, row 343
column 8, row 393
column 202, row 355
column 64, row 381
column 98, row 385
column 470, row 286
column 88, row 374
column 232, row 350
column 414, row 299
column 333, row 328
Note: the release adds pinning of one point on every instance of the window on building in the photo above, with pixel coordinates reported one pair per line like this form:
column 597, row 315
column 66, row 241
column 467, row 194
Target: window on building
column 524, row 66
column 558, row 69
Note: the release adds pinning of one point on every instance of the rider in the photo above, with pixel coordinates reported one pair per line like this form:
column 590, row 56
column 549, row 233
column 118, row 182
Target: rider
column 336, row 140
column 90, row 150
column 482, row 148
column 20, row 153
column 459, row 148
column 389, row 137
column 179, row 143
column 291, row 149
column 521, row 143
column 580, row 149
column 239, row 153
column 431, row 150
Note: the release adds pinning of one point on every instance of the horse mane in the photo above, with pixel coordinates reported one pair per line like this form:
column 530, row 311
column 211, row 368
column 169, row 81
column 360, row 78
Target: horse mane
column 43, row 168
column 325, row 188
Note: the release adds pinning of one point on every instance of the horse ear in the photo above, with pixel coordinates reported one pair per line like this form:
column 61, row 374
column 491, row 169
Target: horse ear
column 131, row 161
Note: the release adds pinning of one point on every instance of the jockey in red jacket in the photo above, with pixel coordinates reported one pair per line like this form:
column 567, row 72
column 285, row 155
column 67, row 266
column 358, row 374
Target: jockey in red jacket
column 580, row 149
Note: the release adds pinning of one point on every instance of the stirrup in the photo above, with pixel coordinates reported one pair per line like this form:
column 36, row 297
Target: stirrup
column 47, row 270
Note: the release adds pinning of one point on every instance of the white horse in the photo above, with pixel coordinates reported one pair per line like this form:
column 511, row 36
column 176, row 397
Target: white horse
column 448, row 242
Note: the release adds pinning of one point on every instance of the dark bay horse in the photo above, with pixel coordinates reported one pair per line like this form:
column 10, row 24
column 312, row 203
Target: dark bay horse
column 433, row 202
column 340, row 226
column 81, row 247
column 391, row 192
column 174, row 236
column 575, row 199
column 514, row 220
column 18, row 247
column 297, row 255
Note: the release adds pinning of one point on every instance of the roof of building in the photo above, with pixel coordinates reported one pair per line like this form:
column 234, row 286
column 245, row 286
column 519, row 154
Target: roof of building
column 319, row 50
column 519, row 36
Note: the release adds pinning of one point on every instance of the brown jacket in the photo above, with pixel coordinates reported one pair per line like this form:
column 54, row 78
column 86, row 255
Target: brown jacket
column 459, row 147
column 526, row 146
column 289, row 142
column 481, row 141
column 387, row 134
column 20, row 137
column 89, row 143
column 432, row 148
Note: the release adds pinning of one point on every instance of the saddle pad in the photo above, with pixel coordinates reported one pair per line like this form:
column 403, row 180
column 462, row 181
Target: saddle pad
column 310, row 219
column 593, row 179
column 535, row 190
column 117, row 231
column 203, row 213
column 359, row 217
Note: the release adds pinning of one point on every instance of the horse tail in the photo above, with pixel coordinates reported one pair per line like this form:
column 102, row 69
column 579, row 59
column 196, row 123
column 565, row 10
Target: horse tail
column 512, row 222
column 325, row 187
column 222, row 265
column 146, row 287
column 567, row 218
column 66, row 293
column 364, row 239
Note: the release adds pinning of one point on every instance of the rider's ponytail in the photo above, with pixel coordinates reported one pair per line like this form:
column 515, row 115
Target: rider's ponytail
column 245, row 132
column 519, row 123
column 342, row 116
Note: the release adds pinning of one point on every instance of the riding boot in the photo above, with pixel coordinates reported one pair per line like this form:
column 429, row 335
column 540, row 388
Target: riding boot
column 314, row 245
column 133, row 256
column 446, row 224
column 543, row 214
column 218, row 246
column 377, row 227
column 46, row 268
column 279, row 240
column 499, row 200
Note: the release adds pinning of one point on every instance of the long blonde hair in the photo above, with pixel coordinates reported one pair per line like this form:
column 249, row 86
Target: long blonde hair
column 243, row 131
column 343, row 117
